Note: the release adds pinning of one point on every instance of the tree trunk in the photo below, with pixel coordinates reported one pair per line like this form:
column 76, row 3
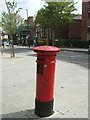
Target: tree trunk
column 1, row 50
column 47, row 43
column 53, row 38
column 53, row 42
column 12, row 52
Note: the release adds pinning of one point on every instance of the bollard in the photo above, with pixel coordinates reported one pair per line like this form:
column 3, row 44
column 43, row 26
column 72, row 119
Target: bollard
column 46, row 58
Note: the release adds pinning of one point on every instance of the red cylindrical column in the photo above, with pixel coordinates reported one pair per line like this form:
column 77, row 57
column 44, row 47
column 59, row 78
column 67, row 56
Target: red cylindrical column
column 46, row 58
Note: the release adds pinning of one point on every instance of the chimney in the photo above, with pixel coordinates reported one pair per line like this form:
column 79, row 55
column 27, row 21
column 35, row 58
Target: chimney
column 30, row 20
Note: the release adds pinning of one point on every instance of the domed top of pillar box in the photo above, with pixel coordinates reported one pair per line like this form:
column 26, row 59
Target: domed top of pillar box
column 46, row 50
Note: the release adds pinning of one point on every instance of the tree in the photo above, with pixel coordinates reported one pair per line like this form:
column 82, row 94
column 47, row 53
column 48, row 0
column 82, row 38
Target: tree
column 10, row 21
column 56, row 15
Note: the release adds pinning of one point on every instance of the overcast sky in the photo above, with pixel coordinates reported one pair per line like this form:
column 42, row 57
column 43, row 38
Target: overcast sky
column 33, row 6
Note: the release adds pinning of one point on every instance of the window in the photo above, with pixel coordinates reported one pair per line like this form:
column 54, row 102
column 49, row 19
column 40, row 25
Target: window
column 89, row 6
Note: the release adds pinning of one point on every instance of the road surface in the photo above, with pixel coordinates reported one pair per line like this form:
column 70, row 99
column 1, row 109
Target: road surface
column 79, row 58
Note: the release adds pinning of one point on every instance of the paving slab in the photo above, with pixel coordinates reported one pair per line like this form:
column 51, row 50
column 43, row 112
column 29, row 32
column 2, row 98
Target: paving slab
column 19, row 87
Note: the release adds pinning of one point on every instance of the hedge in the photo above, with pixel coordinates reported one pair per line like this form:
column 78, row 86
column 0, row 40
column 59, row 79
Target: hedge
column 72, row 43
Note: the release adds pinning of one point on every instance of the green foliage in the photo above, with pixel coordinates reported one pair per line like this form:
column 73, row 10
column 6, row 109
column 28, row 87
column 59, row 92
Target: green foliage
column 20, row 28
column 4, row 39
column 55, row 15
column 23, row 27
column 10, row 19
column 11, row 6
column 41, row 41
column 72, row 43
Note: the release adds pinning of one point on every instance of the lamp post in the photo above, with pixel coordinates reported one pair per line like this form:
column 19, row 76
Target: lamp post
column 26, row 12
column 27, row 16
column 26, row 27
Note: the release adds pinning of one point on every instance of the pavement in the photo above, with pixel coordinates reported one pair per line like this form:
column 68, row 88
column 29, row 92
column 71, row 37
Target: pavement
column 85, row 50
column 18, row 88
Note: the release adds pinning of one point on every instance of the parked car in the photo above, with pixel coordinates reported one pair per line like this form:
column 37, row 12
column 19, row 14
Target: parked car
column 7, row 43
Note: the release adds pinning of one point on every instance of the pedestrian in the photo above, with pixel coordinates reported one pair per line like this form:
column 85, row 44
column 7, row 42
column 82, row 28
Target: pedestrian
column 29, row 41
column 23, row 42
column 17, row 42
column 34, row 42
column 3, row 44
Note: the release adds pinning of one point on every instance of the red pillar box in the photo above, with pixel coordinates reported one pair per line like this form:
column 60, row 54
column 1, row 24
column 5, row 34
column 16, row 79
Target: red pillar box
column 46, row 58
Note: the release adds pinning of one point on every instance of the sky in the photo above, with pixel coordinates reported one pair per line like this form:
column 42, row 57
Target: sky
column 33, row 6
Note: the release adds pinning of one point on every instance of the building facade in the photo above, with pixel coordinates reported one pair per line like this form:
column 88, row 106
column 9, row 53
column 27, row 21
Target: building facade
column 85, row 33
column 88, row 20
column 31, row 29
column 32, row 26
column 75, row 28
column 79, row 29
column 72, row 31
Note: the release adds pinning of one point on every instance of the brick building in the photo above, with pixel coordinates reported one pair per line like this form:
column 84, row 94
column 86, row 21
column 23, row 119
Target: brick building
column 75, row 28
column 85, row 33
column 88, row 38
column 31, row 29
column 32, row 26
column 79, row 29
column 71, row 32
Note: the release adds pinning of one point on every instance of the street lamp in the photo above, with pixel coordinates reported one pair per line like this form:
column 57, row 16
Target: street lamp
column 26, row 26
column 27, row 13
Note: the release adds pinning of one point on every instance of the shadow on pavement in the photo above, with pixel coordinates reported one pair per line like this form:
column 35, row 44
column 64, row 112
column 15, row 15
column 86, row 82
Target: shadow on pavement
column 33, row 55
column 23, row 50
column 21, row 115
column 75, row 62
column 79, row 59
column 70, row 57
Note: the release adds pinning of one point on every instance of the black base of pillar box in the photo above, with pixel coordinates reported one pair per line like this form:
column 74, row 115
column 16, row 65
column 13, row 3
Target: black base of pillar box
column 43, row 109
